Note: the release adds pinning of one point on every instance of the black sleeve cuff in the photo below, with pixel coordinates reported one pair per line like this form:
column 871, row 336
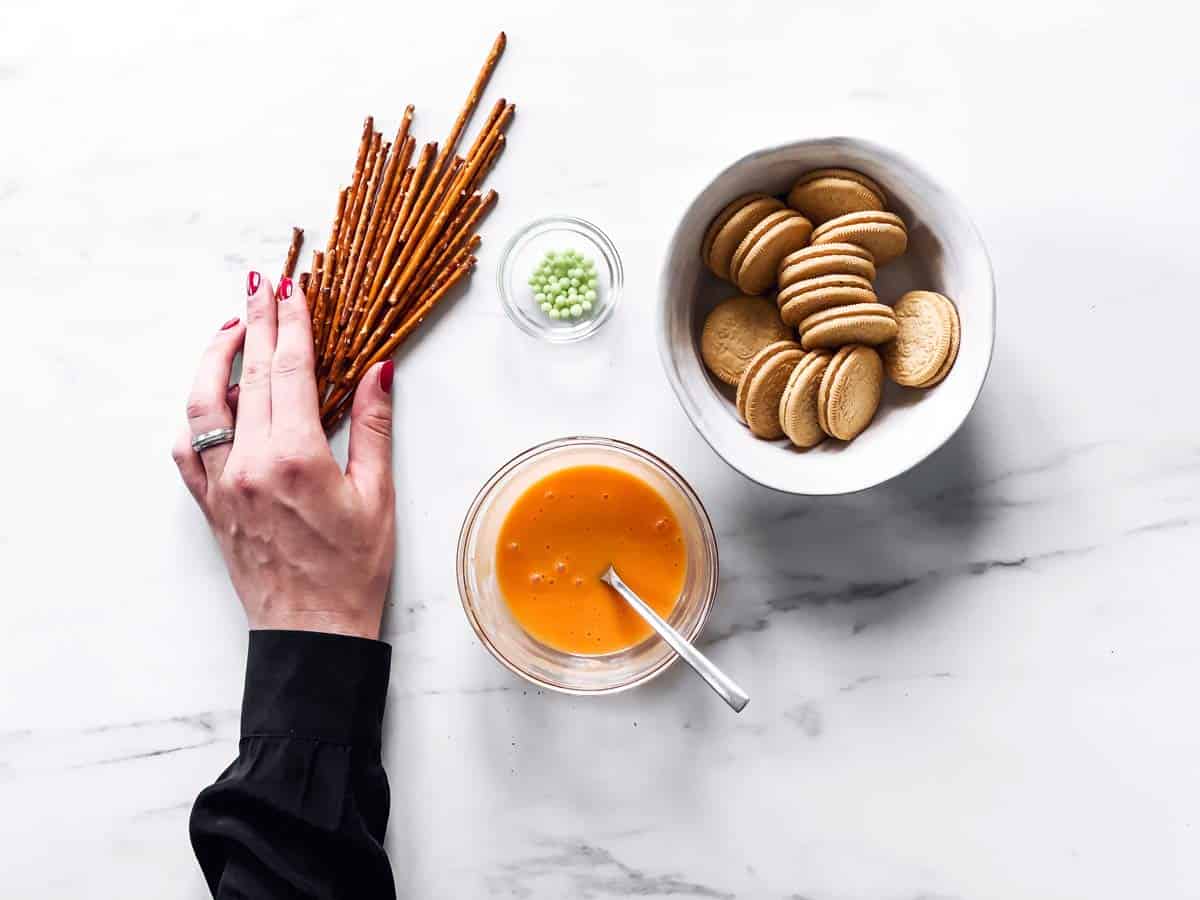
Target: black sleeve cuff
column 325, row 687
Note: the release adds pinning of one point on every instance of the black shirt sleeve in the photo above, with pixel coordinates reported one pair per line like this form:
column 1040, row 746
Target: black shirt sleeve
column 303, row 809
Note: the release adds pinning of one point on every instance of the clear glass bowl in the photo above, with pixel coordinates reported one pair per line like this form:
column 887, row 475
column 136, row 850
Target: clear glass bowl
column 488, row 612
column 523, row 254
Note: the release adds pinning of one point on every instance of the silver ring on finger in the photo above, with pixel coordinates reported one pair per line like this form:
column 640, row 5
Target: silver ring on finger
column 214, row 438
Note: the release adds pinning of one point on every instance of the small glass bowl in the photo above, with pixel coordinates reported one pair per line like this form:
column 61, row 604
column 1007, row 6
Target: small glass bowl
column 488, row 612
column 525, row 251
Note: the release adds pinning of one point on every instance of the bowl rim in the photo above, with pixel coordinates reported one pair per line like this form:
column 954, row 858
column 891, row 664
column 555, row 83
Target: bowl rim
column 690, row 409
column 706, row 527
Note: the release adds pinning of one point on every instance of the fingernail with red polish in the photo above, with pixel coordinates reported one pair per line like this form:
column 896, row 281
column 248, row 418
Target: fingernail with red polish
column 230, row 323
column 253, row 281
column 386, row 373
column 285, row 288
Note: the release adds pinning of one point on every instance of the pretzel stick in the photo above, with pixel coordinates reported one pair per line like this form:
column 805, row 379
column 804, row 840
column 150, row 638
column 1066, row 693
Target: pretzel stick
column 403, row 176
column 393, row 318
column 358, row 195
column 366, row 329
column 399, row 147
column 497, row 108
column 489, row 163
column 383, row 272
column 352, row 191
column 313, row 293
column 326, row 313
column 340, row 309
column 459, row 230
column 398, row 313
column 356, row 302
column 391, row 209
column 289, row 265
column 457, row 254
column 364, row 234
column 398, row 203
column 372, row 219
column 329, row 267
column 472, row 101
column 331, row 410
column 376, row 303
column 423, row 215
column 465, row 177
column 454, row 245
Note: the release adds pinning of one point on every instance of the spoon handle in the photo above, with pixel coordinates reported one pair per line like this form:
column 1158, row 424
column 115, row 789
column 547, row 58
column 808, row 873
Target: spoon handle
column 726, row 688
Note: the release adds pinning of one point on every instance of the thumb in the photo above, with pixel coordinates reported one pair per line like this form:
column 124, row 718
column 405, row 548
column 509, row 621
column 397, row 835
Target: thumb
column 370, row 454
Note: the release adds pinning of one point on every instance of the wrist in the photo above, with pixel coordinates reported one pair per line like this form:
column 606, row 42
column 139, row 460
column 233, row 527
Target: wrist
column 319, row 622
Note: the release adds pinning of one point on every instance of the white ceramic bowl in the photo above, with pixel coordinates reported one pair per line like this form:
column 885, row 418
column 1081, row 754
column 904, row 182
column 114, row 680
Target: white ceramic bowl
column 945, row 254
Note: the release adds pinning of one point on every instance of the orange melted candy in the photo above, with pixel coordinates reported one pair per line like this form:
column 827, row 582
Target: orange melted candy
column 558, row 539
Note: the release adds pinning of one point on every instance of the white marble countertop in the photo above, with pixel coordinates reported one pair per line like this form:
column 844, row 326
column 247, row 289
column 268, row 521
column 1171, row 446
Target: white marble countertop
column 973, row 682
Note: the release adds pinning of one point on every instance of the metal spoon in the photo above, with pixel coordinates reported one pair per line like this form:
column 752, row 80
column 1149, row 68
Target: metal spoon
column 725, row 686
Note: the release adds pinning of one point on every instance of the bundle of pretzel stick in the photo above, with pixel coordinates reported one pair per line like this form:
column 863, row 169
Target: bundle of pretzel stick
column 402, row 237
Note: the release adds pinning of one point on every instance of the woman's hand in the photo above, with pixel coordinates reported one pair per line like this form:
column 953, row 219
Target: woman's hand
column 307, row 546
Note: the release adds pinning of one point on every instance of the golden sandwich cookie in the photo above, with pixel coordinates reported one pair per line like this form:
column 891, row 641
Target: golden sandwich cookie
column 753, row 366
column 798, row 406
column 861, row 323
column 722, row 218
column 737, row 329
column 730, row 235
column 850, row 391
column 881, row 233
column 825, row 194
column 763, row 385
column 825, row 259
column 804, row 298
column 756, row 261
column 926, row 342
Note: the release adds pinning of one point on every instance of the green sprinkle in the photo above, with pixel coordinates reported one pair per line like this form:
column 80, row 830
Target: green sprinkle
column 564, row 284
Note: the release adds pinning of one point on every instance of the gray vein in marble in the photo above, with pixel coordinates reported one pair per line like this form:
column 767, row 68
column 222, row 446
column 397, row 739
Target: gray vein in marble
column 205, row 721
column 155, row 812
column 1053, row 462
column 857, row 683
column 807, row 717
column 111, row 743
column 1173, row 524
column 852, row 592
column 149, row 754
column 593, row 872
